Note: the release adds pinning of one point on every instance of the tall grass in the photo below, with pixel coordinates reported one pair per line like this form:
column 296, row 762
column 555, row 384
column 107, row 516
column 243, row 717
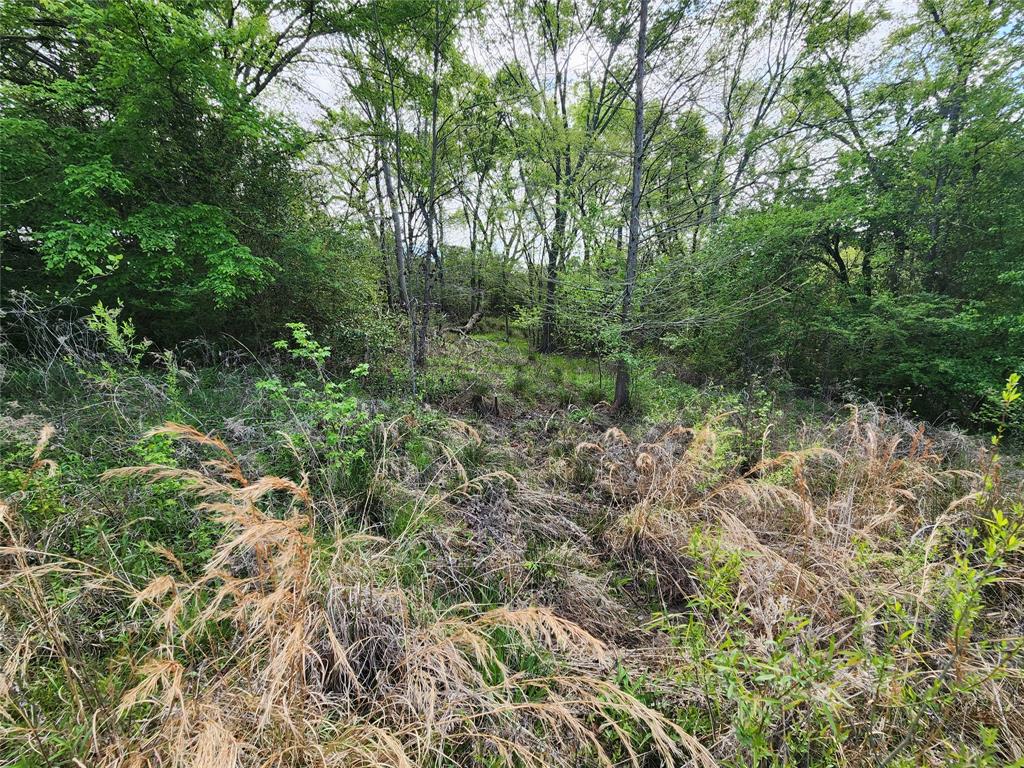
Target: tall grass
column 277, row 653
column 354, row 582
column 858, row 588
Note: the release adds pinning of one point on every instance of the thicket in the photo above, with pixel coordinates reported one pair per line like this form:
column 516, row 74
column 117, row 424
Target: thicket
column 312, row 575
column 825, row 191
column 438, row 383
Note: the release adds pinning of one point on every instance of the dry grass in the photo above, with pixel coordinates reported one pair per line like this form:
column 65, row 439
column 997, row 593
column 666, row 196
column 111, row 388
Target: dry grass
column 274, row 655
column 828, row 532
column 646, row 599
column 799, row 514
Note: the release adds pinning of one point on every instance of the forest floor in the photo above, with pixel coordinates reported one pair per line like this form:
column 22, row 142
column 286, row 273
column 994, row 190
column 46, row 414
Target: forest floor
column 302, row 568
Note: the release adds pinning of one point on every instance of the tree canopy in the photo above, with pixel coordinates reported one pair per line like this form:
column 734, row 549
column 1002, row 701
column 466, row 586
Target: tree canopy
column 825, row 189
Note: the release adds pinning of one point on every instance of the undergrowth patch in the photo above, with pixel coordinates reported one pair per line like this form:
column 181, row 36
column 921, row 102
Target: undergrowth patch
column 282, row 567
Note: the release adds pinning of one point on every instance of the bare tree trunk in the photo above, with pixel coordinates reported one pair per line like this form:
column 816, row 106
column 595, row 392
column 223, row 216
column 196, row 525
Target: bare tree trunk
column 471, row 225
column 622, row 369
column 382, row 227
column 439, row 255
column 867, row 266
column 551, row 278
column 430, row 204
column 556, row 246
column 394, row 197
column 396, row 224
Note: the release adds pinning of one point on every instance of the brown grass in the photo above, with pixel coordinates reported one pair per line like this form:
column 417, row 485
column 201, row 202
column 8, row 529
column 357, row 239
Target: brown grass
column 272, row 656
column 492, row 628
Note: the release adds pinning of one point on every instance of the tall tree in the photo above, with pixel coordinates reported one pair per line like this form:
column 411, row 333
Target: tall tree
column 622, row 370
column 557, row 143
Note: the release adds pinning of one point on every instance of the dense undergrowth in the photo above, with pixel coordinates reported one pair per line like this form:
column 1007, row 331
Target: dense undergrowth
column 250, row 564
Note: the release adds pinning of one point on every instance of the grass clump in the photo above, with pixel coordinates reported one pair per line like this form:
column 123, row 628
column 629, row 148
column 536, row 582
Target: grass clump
column 275, row 652
column 315, row 574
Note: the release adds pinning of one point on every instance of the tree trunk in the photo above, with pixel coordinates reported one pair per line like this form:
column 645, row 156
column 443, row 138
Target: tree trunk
column 439, row 255
column 899, row 254
column 396, row 224
column 551, row 280
column 475, row 318
column 621, row 401
column 430, row 204
column 382, row 227
column 867, row 266
column 394, row 197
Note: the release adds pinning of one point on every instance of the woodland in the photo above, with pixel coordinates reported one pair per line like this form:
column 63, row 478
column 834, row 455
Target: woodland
column 511, row 383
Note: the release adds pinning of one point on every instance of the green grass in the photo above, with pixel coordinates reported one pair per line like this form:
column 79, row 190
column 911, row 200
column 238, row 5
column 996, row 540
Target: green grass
column 413, row 497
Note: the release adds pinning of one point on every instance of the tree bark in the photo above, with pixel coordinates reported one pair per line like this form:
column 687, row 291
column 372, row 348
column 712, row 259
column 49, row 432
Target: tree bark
column 396, row 224
column 430, row 204
column 621, row 401
column 867, row 266
column 551, row 278
column 475, row 318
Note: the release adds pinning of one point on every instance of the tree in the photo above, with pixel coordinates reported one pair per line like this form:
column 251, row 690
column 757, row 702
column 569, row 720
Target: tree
column 621, row 400
column 137, row 165
column 556, row 144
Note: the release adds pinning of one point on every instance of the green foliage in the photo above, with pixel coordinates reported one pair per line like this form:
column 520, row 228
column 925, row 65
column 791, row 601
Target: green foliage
column 740, row 660
column 328, row 419
column 896, row 273
column 139, row 169
column 82, row 192
column 304, row 347
column 925, row 350
column 119, row 336
column 829, row 200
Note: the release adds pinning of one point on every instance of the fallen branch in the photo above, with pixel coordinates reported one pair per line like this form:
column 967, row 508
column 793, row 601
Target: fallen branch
column 470, row 324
